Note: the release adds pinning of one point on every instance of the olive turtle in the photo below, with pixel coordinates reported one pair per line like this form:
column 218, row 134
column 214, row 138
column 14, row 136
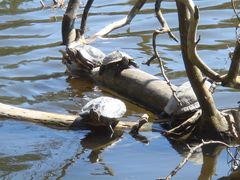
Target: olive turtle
column 188, row 100
column 117, row 59
column 103, row 111
column 85, row 56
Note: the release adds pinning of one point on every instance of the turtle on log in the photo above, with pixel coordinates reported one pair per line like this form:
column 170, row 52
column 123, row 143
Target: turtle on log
column 188, row 100
column 103, row 111
column 118, row 60
column 86, row 57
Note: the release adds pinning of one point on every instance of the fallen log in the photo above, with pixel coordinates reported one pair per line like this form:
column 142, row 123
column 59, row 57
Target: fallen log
column 142, row 87
column 55, row 120
column 139, row 86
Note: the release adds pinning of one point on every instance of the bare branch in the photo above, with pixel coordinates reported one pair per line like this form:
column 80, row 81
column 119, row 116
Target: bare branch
column 118, row 24
column 68, row 31
column 42, row 3
column 181, row 129
column 192, row 50
column 162, row 21
column 192, row 150
column 155, row 33
column 150, row 60
column 82, row 29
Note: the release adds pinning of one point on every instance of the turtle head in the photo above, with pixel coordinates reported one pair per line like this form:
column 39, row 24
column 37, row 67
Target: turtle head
column 94, row 116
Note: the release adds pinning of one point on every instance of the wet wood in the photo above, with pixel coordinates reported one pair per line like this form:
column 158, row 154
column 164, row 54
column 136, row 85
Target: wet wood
column 143, row 88
column 54, row 119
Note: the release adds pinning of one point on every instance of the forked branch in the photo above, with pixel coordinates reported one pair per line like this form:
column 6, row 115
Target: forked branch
column 194, row 57
column 163, row 22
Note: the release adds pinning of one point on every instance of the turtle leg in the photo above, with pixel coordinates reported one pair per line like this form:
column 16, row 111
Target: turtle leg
column 133, row 64
column 110, row 129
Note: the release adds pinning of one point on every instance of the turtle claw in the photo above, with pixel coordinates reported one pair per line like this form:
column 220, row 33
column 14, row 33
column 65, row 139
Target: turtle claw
column 110, row 130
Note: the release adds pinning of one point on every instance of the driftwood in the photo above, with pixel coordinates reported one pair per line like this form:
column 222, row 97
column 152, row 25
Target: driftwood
column 55, row 120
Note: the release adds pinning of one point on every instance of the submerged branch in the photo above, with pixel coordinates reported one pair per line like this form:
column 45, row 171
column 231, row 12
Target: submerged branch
column 180, row 130
column 192, row 150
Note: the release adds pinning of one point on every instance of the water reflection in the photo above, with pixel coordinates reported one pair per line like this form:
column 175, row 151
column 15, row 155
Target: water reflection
column 94, row 144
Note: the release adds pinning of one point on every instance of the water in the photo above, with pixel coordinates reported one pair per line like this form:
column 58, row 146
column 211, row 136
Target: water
column 32, row 76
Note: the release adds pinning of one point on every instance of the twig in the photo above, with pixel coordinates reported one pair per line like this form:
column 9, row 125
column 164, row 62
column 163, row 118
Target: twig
column 42, row 3
column 58, row 3
column 155, row 33
column 162, row 21
column 230, row 119
column 150, row 60
column 181, row 129
column 192, row 150
column 235, row 161
column 234, row 10
column 165, row 27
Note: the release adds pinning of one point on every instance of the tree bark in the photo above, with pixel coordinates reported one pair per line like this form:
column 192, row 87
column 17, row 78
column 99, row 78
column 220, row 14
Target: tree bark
column 212, row 123
column 68, row 31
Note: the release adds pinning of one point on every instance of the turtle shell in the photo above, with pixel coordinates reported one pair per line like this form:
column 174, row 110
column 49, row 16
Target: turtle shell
column 106, row 107
column 86, row 56
column 92, row 54
column 188, row 99
column 115, row 57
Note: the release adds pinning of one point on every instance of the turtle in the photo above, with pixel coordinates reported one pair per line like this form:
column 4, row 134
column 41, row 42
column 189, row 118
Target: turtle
column 117, row 59
column 103, row 111
column 85, row 56
column 188, row 100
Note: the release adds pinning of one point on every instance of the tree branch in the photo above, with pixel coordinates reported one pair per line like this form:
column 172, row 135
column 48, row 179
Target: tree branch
column 118, row 24
column 232, row 78
column 192, row 45
column 82, row 29
column 68, row 31
column 163, row 22
column 180, row 130
column 155, row 33
column 234, row 9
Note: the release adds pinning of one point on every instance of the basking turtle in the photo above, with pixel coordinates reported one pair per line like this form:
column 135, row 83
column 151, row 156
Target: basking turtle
column 188, row 100
column 85, row 56
column 103, row 111
column 118, row 60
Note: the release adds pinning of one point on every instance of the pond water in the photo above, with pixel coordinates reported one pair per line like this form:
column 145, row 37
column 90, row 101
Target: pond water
column 32, row 76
